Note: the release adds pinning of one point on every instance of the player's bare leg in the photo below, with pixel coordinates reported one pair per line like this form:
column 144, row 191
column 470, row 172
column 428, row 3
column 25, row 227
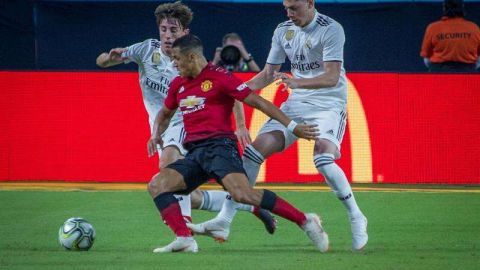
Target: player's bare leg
column 238, row 186
column 161, row 188
column 213, row 200
column 335, row 177
column 196, row 198
column 267, row 144
column 254, row 155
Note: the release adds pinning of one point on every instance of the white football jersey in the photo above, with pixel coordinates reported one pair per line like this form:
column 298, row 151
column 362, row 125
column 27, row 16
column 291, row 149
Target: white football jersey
column 156, row 71
column 307, row 49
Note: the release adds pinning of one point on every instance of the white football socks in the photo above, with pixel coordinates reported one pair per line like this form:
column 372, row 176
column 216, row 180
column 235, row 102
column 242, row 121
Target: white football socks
column 185, row 205
column 252, row 160
column 229, row 209
column 336, row 179
column 213, row 200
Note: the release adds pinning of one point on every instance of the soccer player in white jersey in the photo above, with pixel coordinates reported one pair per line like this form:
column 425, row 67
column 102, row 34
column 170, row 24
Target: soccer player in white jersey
column 313, row 43
column 156, row 71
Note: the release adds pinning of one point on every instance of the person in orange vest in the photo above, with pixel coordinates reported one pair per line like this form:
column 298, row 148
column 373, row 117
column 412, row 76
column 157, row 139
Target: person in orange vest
column 452, row 44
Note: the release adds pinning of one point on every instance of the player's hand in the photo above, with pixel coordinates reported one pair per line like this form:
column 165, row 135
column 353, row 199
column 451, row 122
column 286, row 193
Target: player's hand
column 309, row 132
column 283, row 78
column 115, row 55
column 152, row 145
column 243, row 136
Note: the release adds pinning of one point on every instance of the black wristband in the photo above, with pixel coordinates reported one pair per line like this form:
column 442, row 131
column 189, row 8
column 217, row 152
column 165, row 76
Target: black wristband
column 250, row 59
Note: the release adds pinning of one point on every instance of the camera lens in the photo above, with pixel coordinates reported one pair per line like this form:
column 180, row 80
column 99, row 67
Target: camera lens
column 230, row 55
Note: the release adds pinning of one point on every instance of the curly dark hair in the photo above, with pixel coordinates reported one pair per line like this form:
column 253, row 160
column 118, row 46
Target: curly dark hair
column 175, row 10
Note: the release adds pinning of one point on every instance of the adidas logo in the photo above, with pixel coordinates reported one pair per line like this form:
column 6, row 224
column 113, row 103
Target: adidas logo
column 288, row 46
column 330, row 132
column 171, row 140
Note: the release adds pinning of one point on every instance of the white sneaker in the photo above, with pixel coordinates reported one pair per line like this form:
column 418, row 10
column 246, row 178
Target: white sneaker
column 313, row 229
column 216, row 228
column 180, row 244
column 359, row 232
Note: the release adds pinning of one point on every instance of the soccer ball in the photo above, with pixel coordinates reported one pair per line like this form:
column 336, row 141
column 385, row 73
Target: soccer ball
column 76, row 234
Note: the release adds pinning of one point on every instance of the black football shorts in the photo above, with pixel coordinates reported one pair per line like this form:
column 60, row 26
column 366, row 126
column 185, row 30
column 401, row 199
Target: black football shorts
column 208, row 159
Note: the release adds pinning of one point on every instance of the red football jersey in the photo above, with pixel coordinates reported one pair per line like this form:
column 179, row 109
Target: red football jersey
column 206, row 102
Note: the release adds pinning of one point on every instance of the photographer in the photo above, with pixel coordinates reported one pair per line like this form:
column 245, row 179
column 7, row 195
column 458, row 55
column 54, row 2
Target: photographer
column 233, row 56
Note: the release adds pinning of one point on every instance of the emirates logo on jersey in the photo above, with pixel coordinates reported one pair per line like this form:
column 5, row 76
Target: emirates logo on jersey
column 206, row 85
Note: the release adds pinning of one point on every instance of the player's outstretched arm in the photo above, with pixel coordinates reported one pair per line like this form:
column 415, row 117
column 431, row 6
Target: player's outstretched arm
column 112, row 58
column 309, row 132
column 162, row 120
column 242, row 132
column 327, row 79
column 264, row 77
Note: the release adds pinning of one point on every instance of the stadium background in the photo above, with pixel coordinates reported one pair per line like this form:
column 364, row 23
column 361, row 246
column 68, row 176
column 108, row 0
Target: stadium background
column 63, row 119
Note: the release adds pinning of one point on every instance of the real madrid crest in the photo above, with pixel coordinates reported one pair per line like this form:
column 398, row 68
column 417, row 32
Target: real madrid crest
column 289, row 35
column 308, row 44
column 156, row 58
column 206, row 85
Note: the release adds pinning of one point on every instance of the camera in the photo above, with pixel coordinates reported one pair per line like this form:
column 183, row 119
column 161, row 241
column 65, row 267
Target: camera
column 230, row 57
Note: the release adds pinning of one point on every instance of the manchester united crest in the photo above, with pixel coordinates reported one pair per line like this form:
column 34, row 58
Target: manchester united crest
column 206, row 86
column 289, row 35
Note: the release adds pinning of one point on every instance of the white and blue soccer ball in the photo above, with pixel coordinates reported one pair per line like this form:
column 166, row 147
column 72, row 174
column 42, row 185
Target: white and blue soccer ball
column 76, row 234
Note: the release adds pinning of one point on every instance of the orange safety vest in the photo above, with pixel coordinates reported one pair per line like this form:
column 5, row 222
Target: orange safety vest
column 451, row 40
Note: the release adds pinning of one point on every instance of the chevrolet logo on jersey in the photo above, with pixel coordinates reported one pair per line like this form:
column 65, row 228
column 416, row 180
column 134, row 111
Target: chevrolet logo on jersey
column 192, row 101
column 289, row 35
column 206, row 86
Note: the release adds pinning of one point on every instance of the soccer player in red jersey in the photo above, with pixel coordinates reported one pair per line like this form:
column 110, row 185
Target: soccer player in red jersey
column 313, row 42
column 156, row 71
column 205, row 95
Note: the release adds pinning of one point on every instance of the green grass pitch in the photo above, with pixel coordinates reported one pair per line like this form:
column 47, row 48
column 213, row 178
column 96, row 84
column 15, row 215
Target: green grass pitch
column 408, row 230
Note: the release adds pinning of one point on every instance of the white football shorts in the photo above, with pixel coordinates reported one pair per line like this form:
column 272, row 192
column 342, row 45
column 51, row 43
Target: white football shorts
column 174, row 136
column 330, row 123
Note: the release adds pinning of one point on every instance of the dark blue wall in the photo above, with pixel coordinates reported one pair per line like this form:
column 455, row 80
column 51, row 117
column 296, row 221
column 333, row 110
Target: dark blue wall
column 17, row 39
column 62, row 35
